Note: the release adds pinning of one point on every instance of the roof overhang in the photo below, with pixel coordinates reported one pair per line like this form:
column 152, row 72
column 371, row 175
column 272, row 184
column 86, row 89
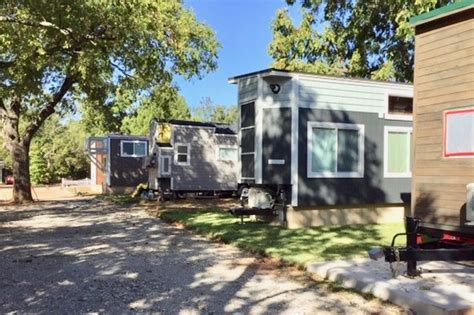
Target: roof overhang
column 266, row 73
column 442, row 12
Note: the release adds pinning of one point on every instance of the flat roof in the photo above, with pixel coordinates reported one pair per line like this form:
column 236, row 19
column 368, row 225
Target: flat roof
column 447, row 10
column 221, row 128
column 282, row 72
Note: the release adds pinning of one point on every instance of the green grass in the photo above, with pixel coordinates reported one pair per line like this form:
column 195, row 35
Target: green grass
column 296, row 246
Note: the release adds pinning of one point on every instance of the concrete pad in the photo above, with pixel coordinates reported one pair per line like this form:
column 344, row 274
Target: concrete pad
column 443, row 288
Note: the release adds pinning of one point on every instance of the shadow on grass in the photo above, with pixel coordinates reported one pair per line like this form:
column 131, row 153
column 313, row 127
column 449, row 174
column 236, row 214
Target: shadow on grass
column 296, row 246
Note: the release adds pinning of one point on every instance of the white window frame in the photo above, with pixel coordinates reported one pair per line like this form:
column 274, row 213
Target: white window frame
column 188, row 154
column 123, row 154
column 328, row 125
column 397, row 93
column 387, row 130
column 162, row 172
column 227, row 147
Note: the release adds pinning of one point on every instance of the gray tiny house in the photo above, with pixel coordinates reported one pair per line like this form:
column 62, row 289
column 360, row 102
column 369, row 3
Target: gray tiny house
column 339, row 147
column 118, row 162
column 192, row 157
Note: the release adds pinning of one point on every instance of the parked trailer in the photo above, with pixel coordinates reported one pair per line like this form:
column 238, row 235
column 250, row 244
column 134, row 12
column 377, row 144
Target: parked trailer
column 441, row 224
column 192, row 158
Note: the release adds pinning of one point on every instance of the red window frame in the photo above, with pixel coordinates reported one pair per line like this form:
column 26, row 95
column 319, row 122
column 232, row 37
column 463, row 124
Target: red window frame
column 445, row 122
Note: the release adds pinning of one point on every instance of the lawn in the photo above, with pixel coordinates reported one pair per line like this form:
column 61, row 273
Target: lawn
column 296, row 246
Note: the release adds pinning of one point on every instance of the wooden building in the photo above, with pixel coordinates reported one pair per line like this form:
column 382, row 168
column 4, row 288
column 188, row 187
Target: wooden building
column 443, row 123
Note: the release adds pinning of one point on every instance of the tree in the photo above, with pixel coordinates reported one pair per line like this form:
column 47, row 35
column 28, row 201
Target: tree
column 207, row 111
column 369, row 39
column 56, row 53
column 163, row 103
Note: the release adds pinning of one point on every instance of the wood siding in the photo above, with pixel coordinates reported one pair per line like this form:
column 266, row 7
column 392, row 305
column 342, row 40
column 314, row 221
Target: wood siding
column 444, row 79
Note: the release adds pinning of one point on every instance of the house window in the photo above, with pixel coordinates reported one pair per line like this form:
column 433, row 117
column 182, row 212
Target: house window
column 397, row 151
column 335, row 150
column 227, row 154
column 133, row 148
column 459, row 133
column 182, row 154
column 399, row 106
column 165, row 166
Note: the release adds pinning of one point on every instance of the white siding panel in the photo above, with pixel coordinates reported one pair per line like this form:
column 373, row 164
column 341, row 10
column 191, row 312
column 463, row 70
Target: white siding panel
column 347, row 95
column 247, row 89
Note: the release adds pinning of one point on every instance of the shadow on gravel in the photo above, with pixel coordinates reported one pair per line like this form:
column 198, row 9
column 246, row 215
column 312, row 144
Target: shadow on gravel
column 81, row 256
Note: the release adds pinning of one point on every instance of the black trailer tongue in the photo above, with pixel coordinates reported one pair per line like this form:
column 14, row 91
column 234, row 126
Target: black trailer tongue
column 452, row 248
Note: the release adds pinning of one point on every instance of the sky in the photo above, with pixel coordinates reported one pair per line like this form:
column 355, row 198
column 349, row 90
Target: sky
column 243, row 28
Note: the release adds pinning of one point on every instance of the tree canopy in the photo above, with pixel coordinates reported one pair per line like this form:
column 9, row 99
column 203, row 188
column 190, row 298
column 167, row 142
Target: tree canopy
column 369, row 39
column 208, row 111
column 56, row 53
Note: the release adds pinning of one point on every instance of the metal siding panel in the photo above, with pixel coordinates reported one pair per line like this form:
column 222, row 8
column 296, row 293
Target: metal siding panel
column 346, row 96
column 373, row 187
column 205, row 171
column 125, row 171
column 277, row 145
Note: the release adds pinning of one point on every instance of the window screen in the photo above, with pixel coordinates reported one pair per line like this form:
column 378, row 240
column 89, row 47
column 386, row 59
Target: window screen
column 459, row 133
column 133, row 148
column 336, row 150
column 182, row 154
column 165, row 165
column 127, row 148
column 228, row 154
column 399, row 105
column 140, row 149
column 398, row 159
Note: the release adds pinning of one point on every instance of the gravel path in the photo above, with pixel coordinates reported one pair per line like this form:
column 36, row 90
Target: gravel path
column 91, row 256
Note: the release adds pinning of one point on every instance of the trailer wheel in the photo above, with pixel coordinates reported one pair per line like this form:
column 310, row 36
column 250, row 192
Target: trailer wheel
column 243, row 190
column 180, row 195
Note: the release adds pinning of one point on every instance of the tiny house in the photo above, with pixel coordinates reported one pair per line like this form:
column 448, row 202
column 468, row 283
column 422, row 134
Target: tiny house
column 444, row 117
column 443, row 165
column 118, row 162
column 340, row 148
column 192, row 157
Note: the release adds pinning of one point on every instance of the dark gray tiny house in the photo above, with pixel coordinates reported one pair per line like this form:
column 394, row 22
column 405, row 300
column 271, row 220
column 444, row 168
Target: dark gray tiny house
column 340, row 146
column 188, row 156
column 118, row 162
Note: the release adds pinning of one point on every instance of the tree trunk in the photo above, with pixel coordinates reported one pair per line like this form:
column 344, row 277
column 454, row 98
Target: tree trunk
column 21, row 172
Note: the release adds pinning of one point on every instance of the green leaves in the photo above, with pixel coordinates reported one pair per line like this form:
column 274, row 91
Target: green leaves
column 371, row 39
column 102, row 44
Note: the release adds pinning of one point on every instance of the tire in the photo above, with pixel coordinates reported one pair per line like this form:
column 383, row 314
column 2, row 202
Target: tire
column 241, row 190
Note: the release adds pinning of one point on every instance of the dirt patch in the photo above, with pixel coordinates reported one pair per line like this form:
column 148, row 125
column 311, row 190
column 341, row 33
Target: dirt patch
column 43, row 193
column 94, row 256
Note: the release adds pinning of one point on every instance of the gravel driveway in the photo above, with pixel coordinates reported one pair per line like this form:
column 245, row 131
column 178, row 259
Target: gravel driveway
column 93, row 256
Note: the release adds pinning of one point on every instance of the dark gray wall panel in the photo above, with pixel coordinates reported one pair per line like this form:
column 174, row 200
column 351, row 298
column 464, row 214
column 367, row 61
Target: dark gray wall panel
column 373, row 188
column 126, row 171
column 205, row 171
column 276, row 145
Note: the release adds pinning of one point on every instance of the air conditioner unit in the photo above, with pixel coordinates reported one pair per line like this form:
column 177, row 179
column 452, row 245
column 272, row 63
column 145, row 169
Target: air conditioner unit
column 470, row 203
